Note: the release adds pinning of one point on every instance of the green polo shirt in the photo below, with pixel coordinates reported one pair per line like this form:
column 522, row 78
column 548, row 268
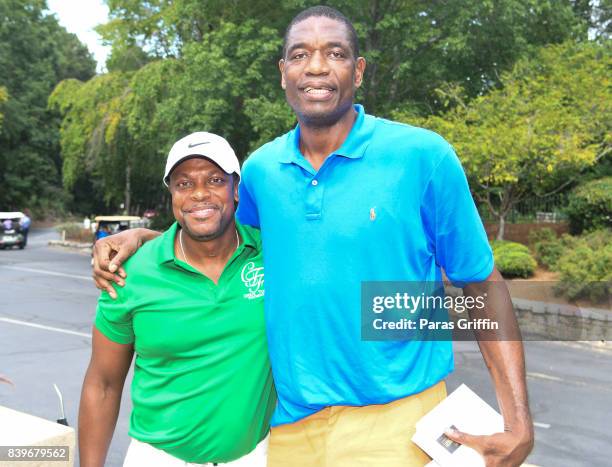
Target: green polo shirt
column 202, row 389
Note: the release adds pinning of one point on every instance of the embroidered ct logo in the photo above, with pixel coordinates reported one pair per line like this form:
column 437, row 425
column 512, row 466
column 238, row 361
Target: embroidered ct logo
column 253, row 279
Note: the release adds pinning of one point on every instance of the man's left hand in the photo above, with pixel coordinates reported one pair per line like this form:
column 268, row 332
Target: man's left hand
column 507, row 449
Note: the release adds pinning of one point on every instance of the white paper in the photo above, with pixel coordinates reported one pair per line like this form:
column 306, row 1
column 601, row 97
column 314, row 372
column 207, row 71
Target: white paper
column 466, row 411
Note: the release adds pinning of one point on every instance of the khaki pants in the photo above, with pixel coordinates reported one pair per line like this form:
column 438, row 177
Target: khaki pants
column 341, row 436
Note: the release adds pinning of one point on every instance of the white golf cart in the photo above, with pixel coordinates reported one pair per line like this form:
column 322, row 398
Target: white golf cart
column 11, row 232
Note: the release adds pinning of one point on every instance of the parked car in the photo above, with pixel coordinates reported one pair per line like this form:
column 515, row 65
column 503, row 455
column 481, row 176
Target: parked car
column 11, row 231
column 109, row 225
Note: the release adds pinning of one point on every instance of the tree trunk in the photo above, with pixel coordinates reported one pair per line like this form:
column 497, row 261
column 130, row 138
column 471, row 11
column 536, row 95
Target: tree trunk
column 502, row 227
column 128, row 188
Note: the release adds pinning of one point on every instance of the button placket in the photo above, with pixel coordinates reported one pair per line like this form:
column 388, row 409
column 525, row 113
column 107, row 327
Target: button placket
column 314, row 190
column 314, row 197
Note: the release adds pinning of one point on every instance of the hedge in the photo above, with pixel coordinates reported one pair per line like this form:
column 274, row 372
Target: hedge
column 547, row 247
column 590, row 206
column 513, row 259
column 585, row 268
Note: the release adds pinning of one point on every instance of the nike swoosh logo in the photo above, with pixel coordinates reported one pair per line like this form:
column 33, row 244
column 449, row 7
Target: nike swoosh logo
column 193, row 145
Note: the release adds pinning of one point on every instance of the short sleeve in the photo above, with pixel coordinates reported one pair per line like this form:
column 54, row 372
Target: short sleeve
column 114, row 318
column 454, row 226
column 247, row 213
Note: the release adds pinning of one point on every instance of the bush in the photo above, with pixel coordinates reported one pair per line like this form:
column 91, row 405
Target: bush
column 590, row 206
column 541, row 235
column 586, row 268
column 546, row 246
column 548, row 253
column 513, row 259
column 75, row 232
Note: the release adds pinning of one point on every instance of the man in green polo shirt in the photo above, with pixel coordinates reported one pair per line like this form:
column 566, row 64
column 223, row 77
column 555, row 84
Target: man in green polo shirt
column 202, row 390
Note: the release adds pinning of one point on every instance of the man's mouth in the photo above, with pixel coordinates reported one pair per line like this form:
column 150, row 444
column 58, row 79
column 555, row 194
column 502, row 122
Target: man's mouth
column 320, row 91
column 202, row 212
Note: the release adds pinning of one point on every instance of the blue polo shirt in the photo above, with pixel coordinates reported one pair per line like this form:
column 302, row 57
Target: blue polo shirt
column 392, row 204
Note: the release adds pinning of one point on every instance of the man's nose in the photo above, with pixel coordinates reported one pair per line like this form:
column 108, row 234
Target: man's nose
column 317, row 65
column 200, row 192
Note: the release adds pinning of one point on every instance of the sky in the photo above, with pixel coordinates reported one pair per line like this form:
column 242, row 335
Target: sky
column 80, row 17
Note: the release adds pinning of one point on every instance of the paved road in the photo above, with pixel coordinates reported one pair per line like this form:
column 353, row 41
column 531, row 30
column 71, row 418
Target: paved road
column 570, row 384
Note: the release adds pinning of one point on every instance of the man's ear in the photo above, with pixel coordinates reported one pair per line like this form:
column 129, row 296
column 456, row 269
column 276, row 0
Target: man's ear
column 236, row 182
column 360, row 66
column 281, row 67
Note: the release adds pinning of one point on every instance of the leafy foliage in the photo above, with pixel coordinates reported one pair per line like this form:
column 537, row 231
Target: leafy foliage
column 586, row 268
column 541, row 235
column 3, row 98
column 590, row 206
column 413, row 46
column 74, row 231
column 119, row 127
column 186, row 65
column 513, row 259
column 35, row 54
column 551, row 119
column 546, row 246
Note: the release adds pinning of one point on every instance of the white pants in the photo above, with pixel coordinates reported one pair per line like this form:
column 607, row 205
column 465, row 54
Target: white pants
column 141, row 454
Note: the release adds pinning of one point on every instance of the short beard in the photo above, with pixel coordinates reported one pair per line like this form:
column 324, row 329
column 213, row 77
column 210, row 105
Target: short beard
column 207, row 237
column 322, row 120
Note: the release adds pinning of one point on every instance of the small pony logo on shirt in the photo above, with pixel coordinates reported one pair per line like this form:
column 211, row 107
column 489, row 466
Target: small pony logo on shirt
column 253, row 278
column 373, row 214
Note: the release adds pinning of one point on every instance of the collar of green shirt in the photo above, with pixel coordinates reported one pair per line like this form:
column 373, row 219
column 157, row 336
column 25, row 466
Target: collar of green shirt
column 166, row 250
column 354, row 145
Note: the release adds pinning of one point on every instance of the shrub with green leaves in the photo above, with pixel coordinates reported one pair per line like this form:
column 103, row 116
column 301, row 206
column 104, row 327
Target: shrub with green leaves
column 513, row 259
column 541, row 235
column 586, row 268
column 548, row 253
column 75, row 232
column 590, row 206
column 548, row 248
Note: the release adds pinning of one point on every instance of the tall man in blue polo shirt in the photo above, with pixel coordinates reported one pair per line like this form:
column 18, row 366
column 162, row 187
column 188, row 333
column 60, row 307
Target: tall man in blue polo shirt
column 344, row 198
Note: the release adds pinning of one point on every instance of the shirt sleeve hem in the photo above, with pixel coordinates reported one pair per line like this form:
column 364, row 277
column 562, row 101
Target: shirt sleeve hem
column 116, row 337
column 480, row 276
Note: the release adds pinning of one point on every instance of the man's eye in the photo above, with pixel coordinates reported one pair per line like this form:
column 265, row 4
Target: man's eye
column 183, row 184
column 336, row 54
column 217, row 180
column 298, row 56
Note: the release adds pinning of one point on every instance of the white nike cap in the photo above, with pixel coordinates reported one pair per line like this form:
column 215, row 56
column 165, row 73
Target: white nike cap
column 204, row 144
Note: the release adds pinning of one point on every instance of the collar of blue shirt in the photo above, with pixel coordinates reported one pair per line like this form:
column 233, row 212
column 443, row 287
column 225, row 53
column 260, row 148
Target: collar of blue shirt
column 354, row 145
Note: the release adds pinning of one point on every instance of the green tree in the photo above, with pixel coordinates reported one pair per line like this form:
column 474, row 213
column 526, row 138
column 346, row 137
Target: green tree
column 118, row 128
column 93, row 134
column 551, row 119
column 126, row 58
column 3, row 98
column 164, row 27
column 35, row 54
column 412, row 46
column 211, row 65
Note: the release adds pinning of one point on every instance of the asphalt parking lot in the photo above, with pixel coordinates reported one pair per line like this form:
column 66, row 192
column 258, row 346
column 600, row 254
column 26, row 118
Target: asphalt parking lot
column 47, row 308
